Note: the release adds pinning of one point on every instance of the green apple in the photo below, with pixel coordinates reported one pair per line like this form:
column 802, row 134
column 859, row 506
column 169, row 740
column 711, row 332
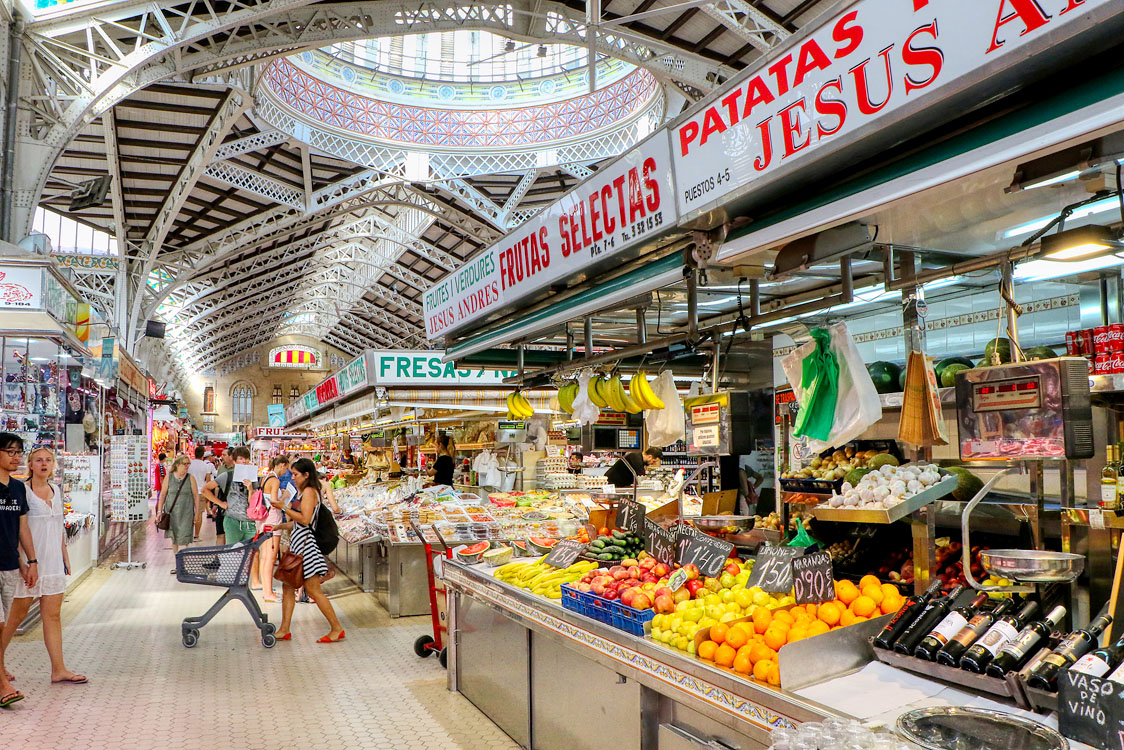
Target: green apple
column 726, row 580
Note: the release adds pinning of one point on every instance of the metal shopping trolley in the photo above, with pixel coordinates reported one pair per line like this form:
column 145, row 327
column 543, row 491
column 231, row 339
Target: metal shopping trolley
column 434, row 644
column 227, row 566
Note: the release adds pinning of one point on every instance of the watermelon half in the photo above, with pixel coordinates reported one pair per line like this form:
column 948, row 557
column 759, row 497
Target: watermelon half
column 471, row 555
column 541, row 544
column 521, row 549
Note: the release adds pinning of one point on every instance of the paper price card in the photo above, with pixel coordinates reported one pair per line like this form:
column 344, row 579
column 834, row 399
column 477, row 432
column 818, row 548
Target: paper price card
column 813, row 579
column 1091, row 710
column 703, row 551
column 772, row 570
column 563, row 554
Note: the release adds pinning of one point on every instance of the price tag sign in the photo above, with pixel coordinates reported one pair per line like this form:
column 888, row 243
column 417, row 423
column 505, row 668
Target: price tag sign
column 659, row 542
column 813, row 578
column 705, row 552
column 563, row 554
column 631, row 515
column 773, row 569
column 1091, row 710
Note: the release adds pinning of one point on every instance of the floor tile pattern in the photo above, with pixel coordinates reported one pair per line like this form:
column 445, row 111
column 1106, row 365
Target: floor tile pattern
column 147, row 691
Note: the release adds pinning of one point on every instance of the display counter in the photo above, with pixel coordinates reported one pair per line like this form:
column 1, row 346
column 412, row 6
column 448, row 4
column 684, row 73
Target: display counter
column 517, row 657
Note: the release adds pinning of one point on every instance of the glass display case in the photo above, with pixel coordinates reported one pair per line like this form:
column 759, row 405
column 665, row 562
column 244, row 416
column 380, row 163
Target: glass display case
column 31, row 400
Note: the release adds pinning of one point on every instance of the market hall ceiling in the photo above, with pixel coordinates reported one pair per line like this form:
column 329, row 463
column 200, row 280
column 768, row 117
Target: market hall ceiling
column 239, row 231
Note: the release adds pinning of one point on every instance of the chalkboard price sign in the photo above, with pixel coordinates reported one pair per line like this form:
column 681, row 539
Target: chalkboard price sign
column 659, row 542
column 631, row 515
column 1091, row 710
column 772, row 570
column 705, row 552
column 813, row 579
column 563, row 554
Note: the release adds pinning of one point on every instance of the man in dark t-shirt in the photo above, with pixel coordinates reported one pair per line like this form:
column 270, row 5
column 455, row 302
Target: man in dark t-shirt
column 14, row 534
column 618, row 474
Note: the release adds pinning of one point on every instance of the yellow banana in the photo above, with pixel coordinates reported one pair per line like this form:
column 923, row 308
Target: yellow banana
column 524, row 405
column 595, row 394
column 633, row 402
column 609, row 391
column 654, row 401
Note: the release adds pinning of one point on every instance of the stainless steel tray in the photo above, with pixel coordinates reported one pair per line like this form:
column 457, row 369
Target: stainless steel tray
column 888, row 515
column 1033, row 566
column 956, row 728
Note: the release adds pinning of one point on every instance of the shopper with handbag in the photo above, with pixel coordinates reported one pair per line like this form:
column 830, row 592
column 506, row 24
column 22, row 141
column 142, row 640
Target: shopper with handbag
column 178, row 495
column 303, row 564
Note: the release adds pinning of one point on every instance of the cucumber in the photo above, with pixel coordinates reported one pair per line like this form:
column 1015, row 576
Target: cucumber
column 597, row 543
column 618, row 534
column 606, row 556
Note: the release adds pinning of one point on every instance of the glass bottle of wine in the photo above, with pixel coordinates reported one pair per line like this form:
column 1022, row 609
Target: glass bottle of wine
column 905, row 616
column 1016, row 653
column 932, row 614
column 1099, row 662
column 1073, row 647
column 1005, row 630
column 977, row 626
column 952, row 624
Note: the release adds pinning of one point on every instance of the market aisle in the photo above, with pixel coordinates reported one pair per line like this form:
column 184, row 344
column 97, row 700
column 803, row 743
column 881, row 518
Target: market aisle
column 147, row 691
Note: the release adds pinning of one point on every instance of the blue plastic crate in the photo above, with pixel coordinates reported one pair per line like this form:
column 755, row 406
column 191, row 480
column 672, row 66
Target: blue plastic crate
column 631, row 620
column 588, row 604
column 572, row 600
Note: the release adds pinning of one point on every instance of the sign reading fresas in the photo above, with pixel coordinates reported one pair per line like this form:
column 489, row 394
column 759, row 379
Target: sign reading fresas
column 856, row 68
column 426, row 368
column 628, row 201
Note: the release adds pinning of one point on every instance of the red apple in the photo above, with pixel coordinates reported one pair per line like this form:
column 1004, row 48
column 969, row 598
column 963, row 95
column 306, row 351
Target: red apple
column 649, row 578
column 694, row 586
column 611, row 594
column 663, row 604
column 635, row 572
column 628, row 595
column 692, row 572
column 648, row 563
column 640, row 601
column 663, row 590
column 619, row 572
column 661, row 570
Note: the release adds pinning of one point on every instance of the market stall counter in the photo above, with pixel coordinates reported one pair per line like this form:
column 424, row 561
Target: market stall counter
column 518, row 658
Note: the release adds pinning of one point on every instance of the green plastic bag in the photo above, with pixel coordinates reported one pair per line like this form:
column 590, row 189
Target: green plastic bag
column 819, row 384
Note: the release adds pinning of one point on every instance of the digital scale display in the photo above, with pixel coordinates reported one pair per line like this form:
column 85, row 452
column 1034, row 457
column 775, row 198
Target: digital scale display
column 1024, row 393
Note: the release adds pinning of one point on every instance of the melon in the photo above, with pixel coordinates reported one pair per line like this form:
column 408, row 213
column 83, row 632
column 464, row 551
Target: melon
column 1040, row 352
column 940, row 368
column 521, row 549
column 948, row 377
column 471, row 555
column 498, row 556
column 885, row 376
column 541, row 544
column 1000, row 345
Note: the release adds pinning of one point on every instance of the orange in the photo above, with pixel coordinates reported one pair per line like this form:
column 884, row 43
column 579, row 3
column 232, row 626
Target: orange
column 797, row 634
column 783, row 616
column 762, row 618
column 707, row 649
column 761, row 670
column 759, row 651
column 775, row 638
column 847, row 618
column 846, row 591
column 891, row 604
column 864, row 606
column 889, row 589
column 859, row 619
column 718, row 632
column 869, row 580
column 828, row 613
column 875, row 593
column 774, row 675
column 742, row 664
column 819, row 627
column 724, row 656
column 736, row 637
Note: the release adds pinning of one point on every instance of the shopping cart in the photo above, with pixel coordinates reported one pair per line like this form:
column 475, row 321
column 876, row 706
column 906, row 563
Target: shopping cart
column 433, row 644
column 227, row 566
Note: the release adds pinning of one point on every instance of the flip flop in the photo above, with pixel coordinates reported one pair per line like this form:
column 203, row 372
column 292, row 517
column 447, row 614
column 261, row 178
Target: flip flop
column 75, row 680
column 329, row 639
column 286, row 637
column 11, row 698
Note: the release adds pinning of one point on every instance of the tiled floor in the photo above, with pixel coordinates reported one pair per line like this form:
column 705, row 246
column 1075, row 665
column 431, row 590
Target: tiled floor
column 122, row 629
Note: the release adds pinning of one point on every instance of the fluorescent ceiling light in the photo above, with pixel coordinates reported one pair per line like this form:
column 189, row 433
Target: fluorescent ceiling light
column 1097, row 207
column 1054, row 180
column 1041, row 270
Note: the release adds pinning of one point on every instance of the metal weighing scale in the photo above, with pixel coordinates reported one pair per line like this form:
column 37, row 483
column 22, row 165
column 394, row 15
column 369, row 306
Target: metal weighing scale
column 1040, row 411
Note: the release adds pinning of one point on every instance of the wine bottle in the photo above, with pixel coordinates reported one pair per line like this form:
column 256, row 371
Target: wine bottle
column 1073, row 647
column 1005, row 630
column 906, row 615
column 1016, row 653
column 977, row 626
column 1101, row 661
column 952, row 624
column 932, row 614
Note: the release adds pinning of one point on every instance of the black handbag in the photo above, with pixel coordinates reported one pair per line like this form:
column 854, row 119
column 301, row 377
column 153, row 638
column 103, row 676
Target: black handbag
column 164, row 522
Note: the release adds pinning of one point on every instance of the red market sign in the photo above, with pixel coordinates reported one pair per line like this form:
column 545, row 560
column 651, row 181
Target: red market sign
column 622, row 205
column 861, row 70
column 328, row 390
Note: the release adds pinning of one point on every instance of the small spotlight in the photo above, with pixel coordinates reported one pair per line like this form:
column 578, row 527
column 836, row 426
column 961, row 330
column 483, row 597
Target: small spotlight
column 542, row 50
column 509, row 46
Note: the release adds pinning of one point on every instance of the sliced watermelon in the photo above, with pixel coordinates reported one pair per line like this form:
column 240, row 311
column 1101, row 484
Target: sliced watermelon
column 471, row 555
column 521, row 549
column 541, row 544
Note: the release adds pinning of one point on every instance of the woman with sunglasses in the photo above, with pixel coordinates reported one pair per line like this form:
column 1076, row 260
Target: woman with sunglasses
column 44, row 517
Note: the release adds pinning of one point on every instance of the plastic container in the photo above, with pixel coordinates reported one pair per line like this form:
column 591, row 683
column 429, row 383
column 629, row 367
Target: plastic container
column 631, row 620
column 587, row 604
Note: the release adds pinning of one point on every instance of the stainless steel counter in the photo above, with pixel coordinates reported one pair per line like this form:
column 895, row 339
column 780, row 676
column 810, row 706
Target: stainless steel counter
column 553, row 679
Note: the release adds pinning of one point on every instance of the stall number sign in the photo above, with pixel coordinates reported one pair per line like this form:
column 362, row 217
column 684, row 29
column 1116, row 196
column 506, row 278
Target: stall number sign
column 659, row 542
column 1091, row 710
column 703, row 551
column 631, row 515
column 812, row 578
column 772, row 570
column 563, row 554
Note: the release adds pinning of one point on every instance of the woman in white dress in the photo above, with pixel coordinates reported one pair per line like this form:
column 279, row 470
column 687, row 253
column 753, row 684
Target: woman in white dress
column 44, row 516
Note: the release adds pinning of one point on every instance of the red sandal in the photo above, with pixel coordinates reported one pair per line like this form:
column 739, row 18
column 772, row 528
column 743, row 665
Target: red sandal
column 328, row 638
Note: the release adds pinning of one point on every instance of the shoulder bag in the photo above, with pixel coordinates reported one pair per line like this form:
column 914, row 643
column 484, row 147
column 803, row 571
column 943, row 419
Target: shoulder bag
column 164, row 522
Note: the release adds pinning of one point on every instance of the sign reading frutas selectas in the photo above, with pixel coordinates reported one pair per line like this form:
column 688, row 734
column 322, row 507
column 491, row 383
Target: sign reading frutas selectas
column 625, row 203
column 857, row 68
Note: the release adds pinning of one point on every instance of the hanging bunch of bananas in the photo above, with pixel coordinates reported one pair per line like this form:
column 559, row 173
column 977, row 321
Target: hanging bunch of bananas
column 540, row 578
column 518, row 407
column 566, row 395
column 611, row 393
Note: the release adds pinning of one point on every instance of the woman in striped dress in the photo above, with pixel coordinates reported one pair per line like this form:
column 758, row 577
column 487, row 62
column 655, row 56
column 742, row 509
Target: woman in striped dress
column 298, row 517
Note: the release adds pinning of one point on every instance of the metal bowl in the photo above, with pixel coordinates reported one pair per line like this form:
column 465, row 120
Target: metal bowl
column 713, row 524
column 1032, row 566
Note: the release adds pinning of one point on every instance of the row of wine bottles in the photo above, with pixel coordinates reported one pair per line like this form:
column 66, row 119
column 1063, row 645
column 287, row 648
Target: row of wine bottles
column 998, row 640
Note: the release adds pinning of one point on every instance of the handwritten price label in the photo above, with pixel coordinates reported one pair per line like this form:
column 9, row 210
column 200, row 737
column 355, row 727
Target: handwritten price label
column 702, row 550
column 813, row 579
column 772, row 570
